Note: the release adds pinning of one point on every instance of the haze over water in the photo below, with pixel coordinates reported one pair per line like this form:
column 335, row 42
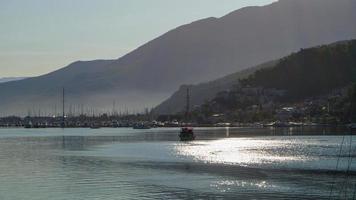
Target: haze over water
column 152, row 164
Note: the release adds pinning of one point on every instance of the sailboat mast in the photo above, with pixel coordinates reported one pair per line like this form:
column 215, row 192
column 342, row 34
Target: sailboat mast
column 187, row 108
column 63, row 107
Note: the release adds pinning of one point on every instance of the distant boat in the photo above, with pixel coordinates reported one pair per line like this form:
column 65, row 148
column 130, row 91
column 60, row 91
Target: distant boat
column 186, row 134
column 29, row 125
column 310, row 124
column 277, row 124
column 95, row 126
column 141, row 126
column 35, row 125
column 269, row 124
column 353, row 127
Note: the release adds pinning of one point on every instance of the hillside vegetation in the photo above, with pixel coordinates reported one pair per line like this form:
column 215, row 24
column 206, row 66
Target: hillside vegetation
column 312, row 85
column 309, row 72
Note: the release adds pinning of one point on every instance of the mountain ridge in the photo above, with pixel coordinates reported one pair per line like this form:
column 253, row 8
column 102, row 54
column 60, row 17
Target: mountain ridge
column 9, row 79
column 262, row 76
column 206, row 91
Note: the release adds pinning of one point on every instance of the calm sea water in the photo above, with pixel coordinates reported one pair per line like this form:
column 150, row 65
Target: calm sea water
column 239, row 163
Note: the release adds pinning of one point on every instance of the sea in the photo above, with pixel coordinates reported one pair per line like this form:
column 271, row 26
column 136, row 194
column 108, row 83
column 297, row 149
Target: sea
column 222, row 163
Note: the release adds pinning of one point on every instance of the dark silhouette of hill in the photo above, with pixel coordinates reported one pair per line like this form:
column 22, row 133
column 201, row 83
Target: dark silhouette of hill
column 203, row 92
column 308, row 73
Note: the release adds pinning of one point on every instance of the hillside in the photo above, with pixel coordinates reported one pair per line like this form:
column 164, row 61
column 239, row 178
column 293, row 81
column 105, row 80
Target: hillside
column 200, row 93
column 201, row 51
column 313, row 85
column 8, row 79
column 310, row 72
column 307, row 73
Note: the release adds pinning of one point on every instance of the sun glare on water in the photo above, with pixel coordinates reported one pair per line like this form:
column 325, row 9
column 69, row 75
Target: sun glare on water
column 239, row 151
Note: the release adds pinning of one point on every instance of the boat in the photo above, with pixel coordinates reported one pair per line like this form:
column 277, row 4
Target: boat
column 187, row 134
column 352, row 127
column 29, row 125
column 95, row 126
column 141, row 126
column 36, row 125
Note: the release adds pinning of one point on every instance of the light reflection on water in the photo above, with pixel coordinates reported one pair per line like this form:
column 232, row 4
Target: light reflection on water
column 130, row 164
column 263, row 151
column 242, row 151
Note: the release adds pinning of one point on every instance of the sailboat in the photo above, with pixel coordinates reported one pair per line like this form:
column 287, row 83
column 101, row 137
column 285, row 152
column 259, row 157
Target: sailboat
column 63, row 123
column 187, row 133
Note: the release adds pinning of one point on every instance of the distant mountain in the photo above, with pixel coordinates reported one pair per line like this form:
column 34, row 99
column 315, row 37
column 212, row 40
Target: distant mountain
column 8, row 79
column 201, row 51
column 307, row 73
column 203, row 92
column 308, row 81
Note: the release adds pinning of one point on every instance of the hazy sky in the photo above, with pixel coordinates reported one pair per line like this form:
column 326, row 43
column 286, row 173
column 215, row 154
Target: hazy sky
column 39, row 36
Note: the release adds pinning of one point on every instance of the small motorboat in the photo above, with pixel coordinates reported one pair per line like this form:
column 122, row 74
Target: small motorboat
column 186, row 134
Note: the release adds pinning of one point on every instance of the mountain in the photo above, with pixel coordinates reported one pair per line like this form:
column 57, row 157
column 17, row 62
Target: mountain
column 317, row 84
column 201, row 51
column 8, row 79
column 309, row 72
column 203, row 92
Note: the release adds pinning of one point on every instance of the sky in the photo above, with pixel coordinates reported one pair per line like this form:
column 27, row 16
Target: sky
column 39, row 36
